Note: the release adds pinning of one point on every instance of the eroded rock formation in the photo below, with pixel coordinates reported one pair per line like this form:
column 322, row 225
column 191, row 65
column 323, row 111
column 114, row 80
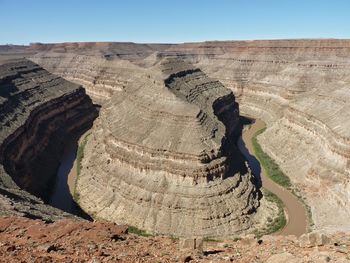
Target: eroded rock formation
column 162, row 157
column 99, row 76
column 301, row 89
column 298, row 87
column 38, row 111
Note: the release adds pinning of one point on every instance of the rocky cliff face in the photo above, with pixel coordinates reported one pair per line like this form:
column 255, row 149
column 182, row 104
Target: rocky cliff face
column 165, row 157
column 38, row 111
column 299, row 87
column 100, row 77
column 102, row 68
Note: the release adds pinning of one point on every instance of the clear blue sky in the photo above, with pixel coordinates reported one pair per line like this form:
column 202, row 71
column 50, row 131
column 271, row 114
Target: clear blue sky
column 25, row 21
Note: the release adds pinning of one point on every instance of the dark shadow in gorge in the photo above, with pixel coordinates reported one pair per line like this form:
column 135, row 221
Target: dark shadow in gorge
column 254, row 164
column 60, row 195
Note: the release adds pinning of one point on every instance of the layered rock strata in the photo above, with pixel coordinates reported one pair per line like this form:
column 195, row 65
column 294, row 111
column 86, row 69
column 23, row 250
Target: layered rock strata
column 301, row 89
column 298, row 87
column 102, row 68
column 38, row 111
column 164, row 153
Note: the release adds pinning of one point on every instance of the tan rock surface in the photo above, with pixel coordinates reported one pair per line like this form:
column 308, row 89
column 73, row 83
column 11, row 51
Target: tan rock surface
column 100, row 77
column 162, row 157
column 300, row 88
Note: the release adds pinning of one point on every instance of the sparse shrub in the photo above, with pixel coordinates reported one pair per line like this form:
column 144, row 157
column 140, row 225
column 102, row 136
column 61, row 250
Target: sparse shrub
column 210, row 239
column 79, row 158
column 272, row 169
column 275, row 174
column 279, row 222
column 139, row 232
column 237, row 239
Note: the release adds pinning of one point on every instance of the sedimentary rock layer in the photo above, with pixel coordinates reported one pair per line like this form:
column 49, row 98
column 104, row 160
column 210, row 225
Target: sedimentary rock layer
column 301, row 89
column 38, row 111
column 164, row 154
column 99, row 76
column 298, row 87
column 102, row 68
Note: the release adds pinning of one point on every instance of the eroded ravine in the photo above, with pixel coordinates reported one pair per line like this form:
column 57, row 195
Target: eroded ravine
column 296, row 213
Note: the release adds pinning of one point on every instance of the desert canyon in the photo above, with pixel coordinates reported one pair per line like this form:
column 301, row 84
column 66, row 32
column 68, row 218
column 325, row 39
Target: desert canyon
column 160, row 126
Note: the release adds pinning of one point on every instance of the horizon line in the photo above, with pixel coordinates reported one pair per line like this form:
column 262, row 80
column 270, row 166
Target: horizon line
column 175, row 43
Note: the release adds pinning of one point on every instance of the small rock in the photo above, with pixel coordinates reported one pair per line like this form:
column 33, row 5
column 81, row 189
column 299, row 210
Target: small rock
column 175, row 258
column 92, row 246
column 102, row 254
column 117, row 238
column 187, row 244
column 186, row 258
column 48, row 248
column 313, row 239
column 11, row 248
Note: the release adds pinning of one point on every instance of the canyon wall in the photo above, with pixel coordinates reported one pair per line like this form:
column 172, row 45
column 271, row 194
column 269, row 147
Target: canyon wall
column 102, row 68
column 300, row 88
column 165, row 155
column 99, row 76
column 38, row 112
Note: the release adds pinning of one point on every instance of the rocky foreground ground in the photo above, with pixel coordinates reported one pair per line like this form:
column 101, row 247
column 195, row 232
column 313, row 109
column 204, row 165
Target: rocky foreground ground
column 27, row 240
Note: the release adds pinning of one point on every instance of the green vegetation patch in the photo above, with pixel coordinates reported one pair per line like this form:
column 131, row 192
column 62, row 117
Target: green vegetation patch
column 80, row 153
column 277, row 223
column 210, row 239
column 139, row 232
column 271, row 168
column 79, row 158
column 275, row 174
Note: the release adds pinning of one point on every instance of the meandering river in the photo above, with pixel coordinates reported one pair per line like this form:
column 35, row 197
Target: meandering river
column 61, row 196
column 295, row 210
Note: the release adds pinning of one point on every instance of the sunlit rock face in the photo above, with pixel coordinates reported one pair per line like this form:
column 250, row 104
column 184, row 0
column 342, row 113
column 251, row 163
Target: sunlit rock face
column 162, row 157
column 300, row 88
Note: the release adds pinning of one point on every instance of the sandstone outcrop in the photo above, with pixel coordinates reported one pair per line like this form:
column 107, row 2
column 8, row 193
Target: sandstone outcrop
column 165, row 155
column 99, row 76
column 38, row 111
column 298, row 87
column 301, row 89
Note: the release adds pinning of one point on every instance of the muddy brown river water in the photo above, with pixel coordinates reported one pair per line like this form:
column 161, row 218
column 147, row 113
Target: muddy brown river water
column 295, row 210
column 296, row 214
